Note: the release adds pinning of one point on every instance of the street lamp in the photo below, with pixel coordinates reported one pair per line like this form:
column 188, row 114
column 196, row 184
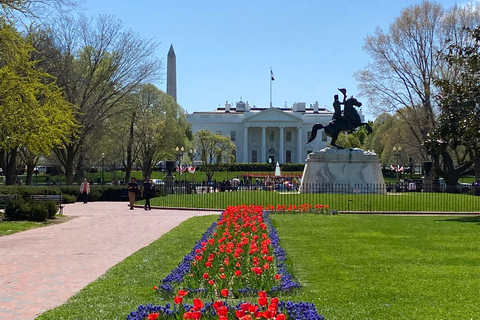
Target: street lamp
column 103, row 174
column 179, row 156
column 193, row 156
column 396, row 152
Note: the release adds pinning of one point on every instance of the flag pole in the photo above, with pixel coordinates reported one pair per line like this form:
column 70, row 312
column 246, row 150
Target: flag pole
column 271, row 80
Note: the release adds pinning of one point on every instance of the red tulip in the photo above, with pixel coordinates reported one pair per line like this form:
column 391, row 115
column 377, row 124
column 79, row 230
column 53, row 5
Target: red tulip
column 197, row 304
column 153, row 316
column 224, row 292
column 262, row 294
column 177, row 300
column 182, row 293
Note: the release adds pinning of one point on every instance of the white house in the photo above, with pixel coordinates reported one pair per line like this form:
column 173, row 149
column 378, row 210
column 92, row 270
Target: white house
column 261, row 134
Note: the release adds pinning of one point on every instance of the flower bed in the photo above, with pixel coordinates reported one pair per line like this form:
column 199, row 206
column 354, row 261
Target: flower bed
column 241, row 253
column 220, row 310
column 301, row 208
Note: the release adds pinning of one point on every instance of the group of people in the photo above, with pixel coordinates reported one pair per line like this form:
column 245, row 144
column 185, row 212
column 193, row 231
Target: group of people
column 147, row 191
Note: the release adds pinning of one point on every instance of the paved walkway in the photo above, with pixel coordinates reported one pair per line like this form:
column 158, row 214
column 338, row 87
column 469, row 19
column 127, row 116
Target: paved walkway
column 41, row 268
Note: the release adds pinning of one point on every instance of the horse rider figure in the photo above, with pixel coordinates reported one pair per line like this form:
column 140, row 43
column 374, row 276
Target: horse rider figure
column 337, row 115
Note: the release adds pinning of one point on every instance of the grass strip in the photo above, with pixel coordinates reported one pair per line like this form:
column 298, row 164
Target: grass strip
column 10, row 227
column 409, row 202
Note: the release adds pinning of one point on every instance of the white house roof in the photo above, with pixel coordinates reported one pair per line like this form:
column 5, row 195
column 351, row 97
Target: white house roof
column 272, row 115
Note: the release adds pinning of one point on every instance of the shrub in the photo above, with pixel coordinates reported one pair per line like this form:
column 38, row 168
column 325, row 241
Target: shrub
column 67, row 198
column 51, row 207
column 29, row 210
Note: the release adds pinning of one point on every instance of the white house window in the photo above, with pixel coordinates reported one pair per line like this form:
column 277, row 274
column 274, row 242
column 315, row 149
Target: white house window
column 254, row 156
column 288, row 156
column 233, row 135
column 288, row 136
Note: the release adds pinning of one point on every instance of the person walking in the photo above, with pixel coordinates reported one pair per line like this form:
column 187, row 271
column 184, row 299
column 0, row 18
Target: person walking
column 147, row 192
column 132, row 188
column 85, row 190
column 477, row 187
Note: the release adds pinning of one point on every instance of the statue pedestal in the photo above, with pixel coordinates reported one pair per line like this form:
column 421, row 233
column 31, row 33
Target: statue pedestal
column 168, row 180
column 342, row 171
column 427, row 184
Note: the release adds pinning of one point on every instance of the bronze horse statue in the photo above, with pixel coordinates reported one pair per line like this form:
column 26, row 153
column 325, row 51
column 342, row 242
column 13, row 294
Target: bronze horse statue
column 335, row 127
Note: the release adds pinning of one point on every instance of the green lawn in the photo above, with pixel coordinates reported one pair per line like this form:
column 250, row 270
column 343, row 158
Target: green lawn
column 414, row 201
column 9, row 227
column 386, row 267
column 350, row 266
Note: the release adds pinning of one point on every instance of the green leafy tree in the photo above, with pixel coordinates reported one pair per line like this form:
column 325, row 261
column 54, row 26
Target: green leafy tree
column 214, row 149
column 160, row 126
column 34, row 112
column 458, row 130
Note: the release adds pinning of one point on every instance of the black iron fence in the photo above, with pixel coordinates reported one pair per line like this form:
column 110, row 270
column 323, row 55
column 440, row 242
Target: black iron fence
column 380, row 198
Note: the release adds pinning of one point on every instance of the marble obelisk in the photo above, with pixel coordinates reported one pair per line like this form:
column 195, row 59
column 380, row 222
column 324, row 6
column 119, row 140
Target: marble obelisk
column 172, row 74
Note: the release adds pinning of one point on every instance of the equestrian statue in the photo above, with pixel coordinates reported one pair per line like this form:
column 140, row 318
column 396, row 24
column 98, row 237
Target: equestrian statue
column 348, row 122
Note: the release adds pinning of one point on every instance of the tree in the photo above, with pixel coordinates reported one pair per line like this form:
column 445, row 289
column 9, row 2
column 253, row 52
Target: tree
column 458, row 131
column 34, row 113
column 99, row 65
column 160, row 126
column 214, row 149
column 32, row 8
column 391, row 131
column 405, row 63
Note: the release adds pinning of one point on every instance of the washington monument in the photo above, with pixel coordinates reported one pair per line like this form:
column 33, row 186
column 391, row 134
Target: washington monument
column 172, row 74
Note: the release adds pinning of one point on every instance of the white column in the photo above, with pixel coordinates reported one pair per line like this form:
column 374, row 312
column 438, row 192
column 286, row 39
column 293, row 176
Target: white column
column 300, row 154
column 264, row 144
column 282, row 152
column 245, row 144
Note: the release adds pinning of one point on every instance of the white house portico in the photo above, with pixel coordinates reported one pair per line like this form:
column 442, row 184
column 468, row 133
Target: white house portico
column 265, row 134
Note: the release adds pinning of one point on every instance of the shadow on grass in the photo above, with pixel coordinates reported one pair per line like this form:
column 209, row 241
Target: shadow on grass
column 475, row 219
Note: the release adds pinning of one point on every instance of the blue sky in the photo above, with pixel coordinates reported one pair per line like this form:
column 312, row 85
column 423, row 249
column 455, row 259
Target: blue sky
column 225, row 49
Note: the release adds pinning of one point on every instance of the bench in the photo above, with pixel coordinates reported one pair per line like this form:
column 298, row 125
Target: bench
column 58, row 198
column 4, row 198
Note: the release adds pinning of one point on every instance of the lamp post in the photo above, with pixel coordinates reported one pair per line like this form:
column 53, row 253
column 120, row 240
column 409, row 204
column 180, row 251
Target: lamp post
column 179, row 156
column 193, row 156
column 396, row 152
column 103, row 174
column 411, row 167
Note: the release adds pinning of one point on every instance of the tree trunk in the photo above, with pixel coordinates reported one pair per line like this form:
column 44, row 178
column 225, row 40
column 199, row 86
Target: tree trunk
column 30, row 167
column 11, row 166
column 476, row 167
column 69, row 164
column 128, row 167
column 79, row 168
column 66, row 156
